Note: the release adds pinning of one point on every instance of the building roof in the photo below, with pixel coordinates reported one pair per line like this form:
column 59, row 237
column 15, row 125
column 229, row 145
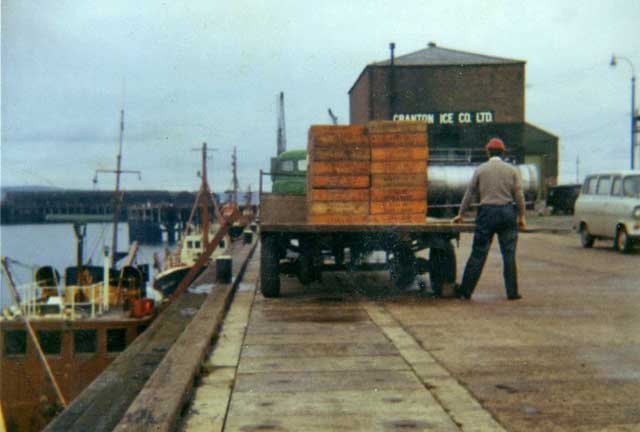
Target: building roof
column 434, row 55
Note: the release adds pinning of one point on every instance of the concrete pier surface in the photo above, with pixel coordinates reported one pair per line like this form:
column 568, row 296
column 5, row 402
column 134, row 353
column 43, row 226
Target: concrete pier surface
column 346, row 354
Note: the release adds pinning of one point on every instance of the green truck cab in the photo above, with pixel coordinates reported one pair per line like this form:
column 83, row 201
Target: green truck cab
column 289, row 172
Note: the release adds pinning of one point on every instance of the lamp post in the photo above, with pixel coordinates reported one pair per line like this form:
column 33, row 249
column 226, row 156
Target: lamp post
column 634, row 116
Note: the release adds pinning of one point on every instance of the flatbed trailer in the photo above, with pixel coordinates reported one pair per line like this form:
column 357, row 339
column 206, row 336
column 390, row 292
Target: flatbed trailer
column 291, row 245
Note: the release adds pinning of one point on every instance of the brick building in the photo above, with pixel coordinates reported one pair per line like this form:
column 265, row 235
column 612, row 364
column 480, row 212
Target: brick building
column 466, row 98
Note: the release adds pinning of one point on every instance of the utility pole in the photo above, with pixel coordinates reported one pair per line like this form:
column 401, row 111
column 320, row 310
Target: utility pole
column 578, row 169
column 635, row 118
column 234, row 181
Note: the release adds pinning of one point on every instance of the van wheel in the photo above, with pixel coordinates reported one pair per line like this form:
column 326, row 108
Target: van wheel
column 622, row 242
column 585, row 238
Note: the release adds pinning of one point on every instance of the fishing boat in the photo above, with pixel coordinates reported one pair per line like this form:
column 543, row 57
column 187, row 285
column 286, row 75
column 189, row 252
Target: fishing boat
column 195, row 238
column 60, row 333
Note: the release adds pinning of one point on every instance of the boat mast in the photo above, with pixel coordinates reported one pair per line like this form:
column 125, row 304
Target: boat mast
column 117, row 198
column 234, row 181
column 204, row 200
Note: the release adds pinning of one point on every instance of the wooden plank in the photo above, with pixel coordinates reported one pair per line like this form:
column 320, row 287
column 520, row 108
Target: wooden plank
column 395, row 219
column 353, row 153
column 339, row 208
column 399, row 167
column 387, row 126
column 340, row 168
column 399, row 207
column 398, row 140
column 160, row 401
column 399, row 194
column 209, row 407
column 322, row 364
column 399, row 153
column 374, row 336
column 302, row 382
column 319, row 349
column 343, row 181
column 404, row 181
column 339, row 195
column 372, row 411
column 329, row 219
column 337, row 136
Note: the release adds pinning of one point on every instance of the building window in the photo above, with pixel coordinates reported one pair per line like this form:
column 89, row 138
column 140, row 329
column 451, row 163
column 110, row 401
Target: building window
column 85, row 341
column 15, row 342
column 50, row 341
column 116, row 340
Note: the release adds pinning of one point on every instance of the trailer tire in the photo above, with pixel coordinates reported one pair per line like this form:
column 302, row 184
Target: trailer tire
column 403, row 268
column 443, row 270
column 269, row 267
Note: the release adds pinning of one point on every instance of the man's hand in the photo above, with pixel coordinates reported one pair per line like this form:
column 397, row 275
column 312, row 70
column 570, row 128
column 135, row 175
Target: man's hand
column 522, row 223
column 457, row 219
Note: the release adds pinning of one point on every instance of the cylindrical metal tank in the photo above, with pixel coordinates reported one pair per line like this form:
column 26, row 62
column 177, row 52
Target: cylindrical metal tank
column 447, row 183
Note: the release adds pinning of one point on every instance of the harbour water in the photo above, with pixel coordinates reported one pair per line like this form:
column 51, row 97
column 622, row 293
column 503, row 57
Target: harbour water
column 31, row 246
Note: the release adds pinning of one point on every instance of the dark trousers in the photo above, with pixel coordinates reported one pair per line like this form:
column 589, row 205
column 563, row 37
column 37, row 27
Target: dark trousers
column 493, row 219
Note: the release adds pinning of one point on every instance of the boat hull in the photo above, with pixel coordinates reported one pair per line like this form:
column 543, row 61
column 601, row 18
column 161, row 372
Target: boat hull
column 167, row 281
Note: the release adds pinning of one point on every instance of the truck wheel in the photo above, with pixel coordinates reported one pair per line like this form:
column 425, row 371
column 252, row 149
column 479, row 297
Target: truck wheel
column 443, row 270
column 403, row 268
column 585, row 238
column 306, row 271
column 622, row 242
column 269, row 267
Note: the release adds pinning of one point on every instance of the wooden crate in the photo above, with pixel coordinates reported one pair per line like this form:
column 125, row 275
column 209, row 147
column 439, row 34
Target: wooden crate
column 341, row 168
column 392, row 194
column 387, row 126
column 358, row 152
column 399, row 167
column 339, row 182
column 399, row 207
column 339, row 195
column 399, row 181
column 338, row 136
column 394, row 219
column 398, row 140
column 339, row 207
column 330, row 219
column 399, row 153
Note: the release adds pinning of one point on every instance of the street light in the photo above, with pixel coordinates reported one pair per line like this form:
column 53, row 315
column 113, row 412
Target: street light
column 634, row 116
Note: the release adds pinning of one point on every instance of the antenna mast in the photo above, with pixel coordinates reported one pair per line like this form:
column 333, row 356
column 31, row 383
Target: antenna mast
column 282, row 133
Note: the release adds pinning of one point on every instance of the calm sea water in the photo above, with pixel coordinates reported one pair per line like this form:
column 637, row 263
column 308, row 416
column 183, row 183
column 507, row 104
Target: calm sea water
column 55, row 244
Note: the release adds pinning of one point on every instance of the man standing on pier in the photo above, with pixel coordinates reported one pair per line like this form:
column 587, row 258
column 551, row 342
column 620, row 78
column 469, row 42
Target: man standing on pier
column 498, row 189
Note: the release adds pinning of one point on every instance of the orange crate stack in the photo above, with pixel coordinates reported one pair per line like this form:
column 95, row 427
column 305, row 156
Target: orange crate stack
column 338, row 177
column 399, row 156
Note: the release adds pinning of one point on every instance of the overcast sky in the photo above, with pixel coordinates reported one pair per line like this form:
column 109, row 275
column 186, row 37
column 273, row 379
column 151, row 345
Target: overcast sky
column 210, row 71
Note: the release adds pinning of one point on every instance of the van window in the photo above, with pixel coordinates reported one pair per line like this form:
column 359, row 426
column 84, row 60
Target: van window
column 617, row 186
column 604, row 185
column 590, row 185
column 631, row 186
column 302, row 165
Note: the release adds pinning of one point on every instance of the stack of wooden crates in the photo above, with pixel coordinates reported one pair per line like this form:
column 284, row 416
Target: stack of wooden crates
column 373, row 174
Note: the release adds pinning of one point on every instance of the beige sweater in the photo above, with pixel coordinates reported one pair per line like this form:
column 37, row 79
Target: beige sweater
column 494, row 183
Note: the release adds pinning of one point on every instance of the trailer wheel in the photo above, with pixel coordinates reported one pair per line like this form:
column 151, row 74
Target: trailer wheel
column 443, row 270
column 403, row 268
column 269, row 267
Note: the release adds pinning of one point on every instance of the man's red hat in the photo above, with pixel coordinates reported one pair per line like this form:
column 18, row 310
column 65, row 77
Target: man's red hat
column 495, row 144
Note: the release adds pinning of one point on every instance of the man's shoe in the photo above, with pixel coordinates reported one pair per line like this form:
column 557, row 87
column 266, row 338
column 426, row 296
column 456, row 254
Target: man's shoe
column 514, row 297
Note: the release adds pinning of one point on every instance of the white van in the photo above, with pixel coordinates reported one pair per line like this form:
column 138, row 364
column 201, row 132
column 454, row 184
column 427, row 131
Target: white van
column 609, row 208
